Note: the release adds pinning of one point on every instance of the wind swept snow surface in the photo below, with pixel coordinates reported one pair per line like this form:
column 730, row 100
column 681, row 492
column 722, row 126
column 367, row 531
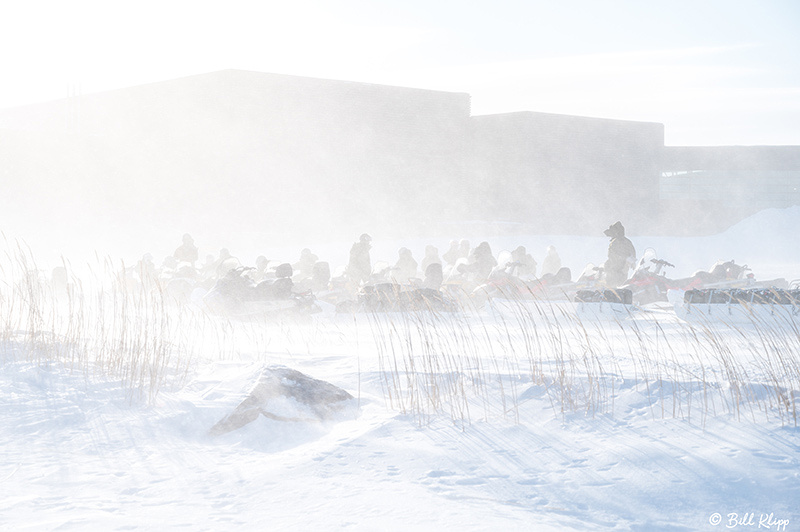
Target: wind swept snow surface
column 80, row 454
column 79, row 457
column 514, row 416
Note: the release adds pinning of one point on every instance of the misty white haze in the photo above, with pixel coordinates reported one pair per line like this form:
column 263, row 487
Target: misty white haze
column 713, row 74
column 717, row 73
column 270, row 129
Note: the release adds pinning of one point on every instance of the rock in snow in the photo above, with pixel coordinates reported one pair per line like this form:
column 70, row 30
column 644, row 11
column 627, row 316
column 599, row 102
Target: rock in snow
column 285, row 394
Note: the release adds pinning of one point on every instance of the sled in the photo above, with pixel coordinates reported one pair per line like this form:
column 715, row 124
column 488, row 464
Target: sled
column 738, row 305
column 604, row 304
column 391, row 297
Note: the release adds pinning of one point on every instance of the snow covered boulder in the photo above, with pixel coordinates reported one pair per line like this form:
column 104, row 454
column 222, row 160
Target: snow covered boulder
column 285, row 394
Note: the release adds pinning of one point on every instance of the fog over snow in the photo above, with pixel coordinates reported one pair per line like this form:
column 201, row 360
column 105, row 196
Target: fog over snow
column 651, row 445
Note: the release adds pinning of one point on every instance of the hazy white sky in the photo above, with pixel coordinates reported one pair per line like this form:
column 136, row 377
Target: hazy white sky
column 714, row 72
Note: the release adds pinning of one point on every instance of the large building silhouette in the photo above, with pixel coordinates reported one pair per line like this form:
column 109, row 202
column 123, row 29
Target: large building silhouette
column 299, row 155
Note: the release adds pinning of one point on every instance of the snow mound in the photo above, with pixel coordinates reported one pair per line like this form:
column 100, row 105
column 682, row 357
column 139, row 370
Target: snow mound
column 284, row 394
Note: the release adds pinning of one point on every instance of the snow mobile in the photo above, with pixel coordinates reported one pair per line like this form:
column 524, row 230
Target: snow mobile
column 237, row 294
column 392, row 297
column 586, row 295
column 560, row 286
column 456, row 285
column 504, row 284
column 649, row 285
column 326, row 289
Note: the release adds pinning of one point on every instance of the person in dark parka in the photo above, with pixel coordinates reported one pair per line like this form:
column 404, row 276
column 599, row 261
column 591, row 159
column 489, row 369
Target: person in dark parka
column 621, row 256
column 359, row 267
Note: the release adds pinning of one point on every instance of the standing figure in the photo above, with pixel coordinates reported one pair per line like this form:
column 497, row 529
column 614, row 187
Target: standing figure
column 552, row 262
column 186, row 252
column 526, row 265
column 481, row 263
column 304, row 268
column 225, row 263
column 405, row 268
column 359, row 267
column 621, row 256
column 433, row 276
column 464, row 249
column 321, row 276
column 281, row 287
column 146, row 271
column 262, row 264
column 431, row 257
column 452, row 254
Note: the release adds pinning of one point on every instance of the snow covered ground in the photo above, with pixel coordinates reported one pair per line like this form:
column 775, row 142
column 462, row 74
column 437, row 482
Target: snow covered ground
column 510, row 417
